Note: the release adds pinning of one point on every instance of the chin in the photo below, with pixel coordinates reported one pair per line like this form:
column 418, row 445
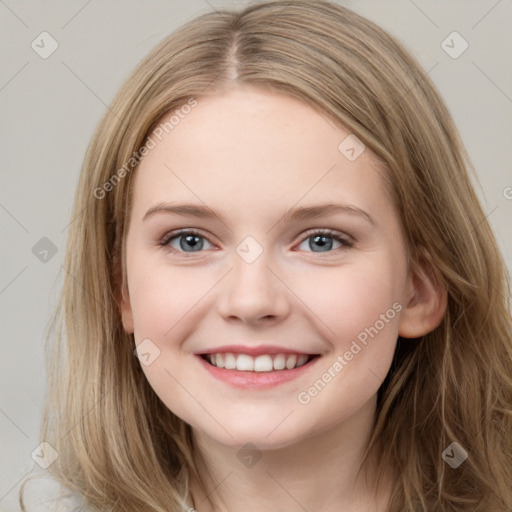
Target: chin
column 264, row 437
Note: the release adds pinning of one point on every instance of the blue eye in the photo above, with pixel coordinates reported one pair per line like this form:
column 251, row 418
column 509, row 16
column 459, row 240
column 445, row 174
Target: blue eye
column 187, row 240
column 190, row 241
column 324, row 240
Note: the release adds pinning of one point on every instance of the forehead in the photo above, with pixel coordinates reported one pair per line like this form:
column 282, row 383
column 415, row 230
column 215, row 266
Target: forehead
column 254, row 145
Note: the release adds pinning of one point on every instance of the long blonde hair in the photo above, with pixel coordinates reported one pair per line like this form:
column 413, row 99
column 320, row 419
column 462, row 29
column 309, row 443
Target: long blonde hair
column 118, row 444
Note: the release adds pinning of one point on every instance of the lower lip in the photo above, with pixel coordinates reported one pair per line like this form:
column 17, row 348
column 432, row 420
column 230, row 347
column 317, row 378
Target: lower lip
column 259, row 380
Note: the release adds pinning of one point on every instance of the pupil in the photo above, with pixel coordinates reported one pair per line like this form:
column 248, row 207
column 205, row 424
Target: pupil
column 319, row 239
column 192, row 242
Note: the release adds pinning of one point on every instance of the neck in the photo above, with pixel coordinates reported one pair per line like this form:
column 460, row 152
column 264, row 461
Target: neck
column 318, row 472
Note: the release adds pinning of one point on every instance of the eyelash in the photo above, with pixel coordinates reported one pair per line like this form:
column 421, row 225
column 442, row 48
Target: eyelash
column 328, row 233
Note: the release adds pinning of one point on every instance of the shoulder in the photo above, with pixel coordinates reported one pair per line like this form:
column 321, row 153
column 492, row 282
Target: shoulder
column 42, row 493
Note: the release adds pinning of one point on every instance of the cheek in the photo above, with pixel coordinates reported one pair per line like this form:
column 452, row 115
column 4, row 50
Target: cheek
column 352, row 299
column 358, row 311
column 165, row 302
column 161, row 297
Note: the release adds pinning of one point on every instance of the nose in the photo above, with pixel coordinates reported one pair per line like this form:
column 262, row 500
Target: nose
column 253, row 293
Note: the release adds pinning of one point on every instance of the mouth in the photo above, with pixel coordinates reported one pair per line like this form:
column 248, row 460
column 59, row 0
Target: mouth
column 255, row 367
column 264, row 363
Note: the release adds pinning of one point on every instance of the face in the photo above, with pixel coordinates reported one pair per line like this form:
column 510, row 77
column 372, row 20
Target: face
column 256, row 272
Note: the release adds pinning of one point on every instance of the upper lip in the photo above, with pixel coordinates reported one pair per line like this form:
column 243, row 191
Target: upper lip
column 253, row 350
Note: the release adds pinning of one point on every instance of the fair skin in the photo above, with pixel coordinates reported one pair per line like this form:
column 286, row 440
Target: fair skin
column 251, row 156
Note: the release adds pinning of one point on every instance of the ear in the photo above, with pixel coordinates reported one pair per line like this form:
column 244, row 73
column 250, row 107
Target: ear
column 426, row 301
column 126, row 311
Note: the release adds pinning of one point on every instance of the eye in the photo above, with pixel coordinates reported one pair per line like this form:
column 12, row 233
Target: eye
column 186, row 239
column 323, row 240
column 190, row 241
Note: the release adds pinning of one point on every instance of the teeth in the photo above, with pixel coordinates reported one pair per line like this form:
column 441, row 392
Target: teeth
column 291, row 361
column 245, row 363
column 229, row 361
column 220, row 360
column 279, row 362
column 263, row 363
column 301, row 360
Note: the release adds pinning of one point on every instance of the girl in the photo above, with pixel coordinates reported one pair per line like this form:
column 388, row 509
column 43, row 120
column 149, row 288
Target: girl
column 281, row 291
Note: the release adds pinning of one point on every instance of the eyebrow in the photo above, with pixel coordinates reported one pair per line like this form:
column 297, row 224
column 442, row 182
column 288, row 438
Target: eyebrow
column 294, row 214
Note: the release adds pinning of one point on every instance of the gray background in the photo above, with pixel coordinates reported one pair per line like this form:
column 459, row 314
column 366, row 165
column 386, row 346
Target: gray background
column 50, row 108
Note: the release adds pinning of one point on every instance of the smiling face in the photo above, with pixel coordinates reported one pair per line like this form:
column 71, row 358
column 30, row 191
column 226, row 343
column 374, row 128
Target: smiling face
column 267, row 273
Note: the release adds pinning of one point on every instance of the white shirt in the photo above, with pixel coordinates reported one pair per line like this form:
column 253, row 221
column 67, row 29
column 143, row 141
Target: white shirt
column 43, row 494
